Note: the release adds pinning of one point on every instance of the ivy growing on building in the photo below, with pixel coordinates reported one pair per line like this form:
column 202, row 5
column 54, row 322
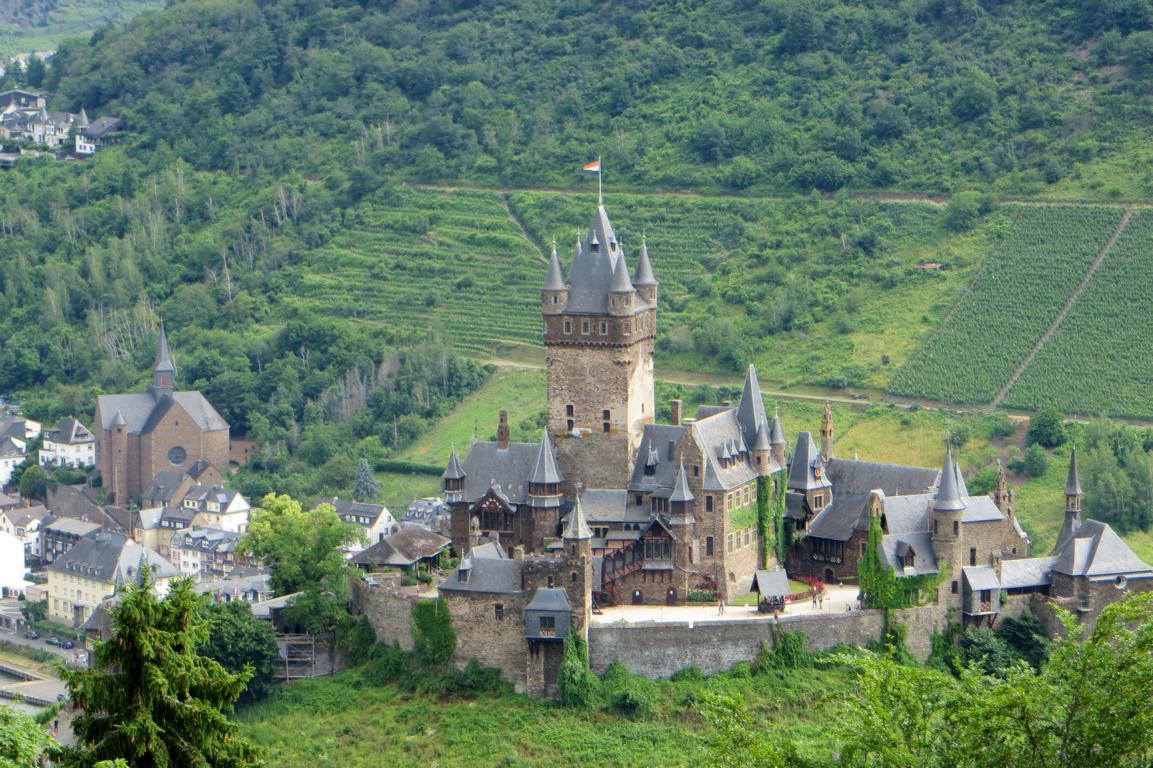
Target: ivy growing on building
column 882, row 588
column 577, row 686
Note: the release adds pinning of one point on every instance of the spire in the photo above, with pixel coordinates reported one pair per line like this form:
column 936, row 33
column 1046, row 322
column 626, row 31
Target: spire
column 545, row 471
column 777, row 435
column 948, row 496
column 644, row 276
column 118, row 420
column 162, row 369
column 1073, row 484
column 454, row 471
column 1001, row 490
column 681, row 490
column 82, row 118
column 621, row 282
column 751, row 408
column 554, row 278
column 762, row 442
column 577, row 527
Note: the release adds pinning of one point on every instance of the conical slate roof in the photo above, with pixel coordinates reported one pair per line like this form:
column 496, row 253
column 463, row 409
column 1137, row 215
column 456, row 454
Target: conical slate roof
column 593, row 273
column 577, row 527
column 777, row 434
column 1073, row 484
column 644, row 274
column 545, row 470
column 118, row 420
column 621, row 282
column 454, row 471
column 681, row 490
column 762, row 442
column 554, row 278
column 751, row 408
column 163, row 356
column 806, row 458
column 948, row 496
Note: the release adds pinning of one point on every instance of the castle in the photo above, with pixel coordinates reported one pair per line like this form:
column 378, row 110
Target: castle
column 612, row 508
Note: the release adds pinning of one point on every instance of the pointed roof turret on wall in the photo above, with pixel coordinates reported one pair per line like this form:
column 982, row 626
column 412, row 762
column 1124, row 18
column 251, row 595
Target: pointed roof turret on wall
column 762, row 441
column 453, row 471
column 1073, row 483
column 545, row 470
column 621, row 282
column 554, row 278
column 118, row 420
column 644, row 276
column 163, row 356
column 948, row 495
column 806, row 459
column 577, row 527
column 681, row 490
column 777, row 434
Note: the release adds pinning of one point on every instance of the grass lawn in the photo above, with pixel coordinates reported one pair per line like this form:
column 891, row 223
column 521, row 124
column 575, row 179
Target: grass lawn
column 398, row 489
column 21, row 656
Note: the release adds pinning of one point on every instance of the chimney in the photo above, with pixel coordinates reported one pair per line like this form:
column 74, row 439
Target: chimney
column 502, row 431
column 676, row 420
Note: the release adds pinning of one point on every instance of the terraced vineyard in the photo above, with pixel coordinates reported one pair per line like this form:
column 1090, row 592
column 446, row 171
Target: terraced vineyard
column 1044, row 255
column 1099, row 360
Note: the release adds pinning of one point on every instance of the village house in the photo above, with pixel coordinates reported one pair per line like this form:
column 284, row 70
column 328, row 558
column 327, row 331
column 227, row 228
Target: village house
column 374, row 520
column 61, row 534
column 68, row 444
column 24, row 524
column 204, row 552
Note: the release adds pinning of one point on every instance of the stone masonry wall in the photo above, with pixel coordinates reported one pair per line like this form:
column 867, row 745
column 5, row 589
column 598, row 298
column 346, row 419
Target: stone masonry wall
column 389, row 611
column 660, row 649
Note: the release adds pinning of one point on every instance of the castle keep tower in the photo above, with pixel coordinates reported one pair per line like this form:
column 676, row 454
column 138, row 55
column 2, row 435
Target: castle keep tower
column 599, row 330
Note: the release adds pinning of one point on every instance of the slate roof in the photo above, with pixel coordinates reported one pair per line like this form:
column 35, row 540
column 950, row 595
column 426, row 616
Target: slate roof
column 138, row 410
column 1073, row 483
column 347, row 510
column 658, row 441
column 681, row 490
column 577, row 526
column 715, row 435
column 403, row 548
column 203, row 494
column 101, row 126
column 921, row 542
column 544, row 469
column 980, row 577
column 22, row 516
column 505, row 470
column 948, row 498
column 207, row 539
column 110, row 557
column 553, row 600
column 805, row 458
column 453, row 470
column 72, row 526
column 70, row 432
column 164, row 486
column 774, row 583
column 1027, row 572
column 644, row 274
column 604, row 506
column 751, row 408
column 981, row 509
column 491, row 549
column 9, row 448
column 180, row 513
column 592, row 273
column 554, row 278
column 1097, row 550
column 486, row 574
column 852, row 482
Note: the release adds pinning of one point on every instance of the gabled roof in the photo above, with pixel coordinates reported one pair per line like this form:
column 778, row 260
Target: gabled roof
column 894, row 546
column 1097, row 550
column 70, row 432
column 854, row 480
column 137, row 410
column 164, row 486
column 71, row 526
column 714, row 435
column 20, row 517
column 774, row 583
column 403, row 548
column 486, row 574
column 346, row 509
column 658, row 441
column 9, row 448
column 980, row 577
column 110, row 557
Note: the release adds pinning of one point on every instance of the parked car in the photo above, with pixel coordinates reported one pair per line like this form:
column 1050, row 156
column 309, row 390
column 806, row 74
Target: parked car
column 52, row 640
column 67, row 644
column 32, row 634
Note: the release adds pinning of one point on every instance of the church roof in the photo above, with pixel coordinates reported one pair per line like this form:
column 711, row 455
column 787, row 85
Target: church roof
column 1073, row 483
column 1096, row 550
column 140, row 411
column 163, row 356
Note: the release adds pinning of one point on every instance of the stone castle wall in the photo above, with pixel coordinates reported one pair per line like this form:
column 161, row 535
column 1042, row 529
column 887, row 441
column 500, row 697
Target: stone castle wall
column 388, row 609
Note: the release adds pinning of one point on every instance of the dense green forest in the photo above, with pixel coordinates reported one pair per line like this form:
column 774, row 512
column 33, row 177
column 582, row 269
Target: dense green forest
column 261, row 202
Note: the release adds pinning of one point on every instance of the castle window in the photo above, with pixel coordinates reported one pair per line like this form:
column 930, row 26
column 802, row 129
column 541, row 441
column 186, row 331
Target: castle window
column 730, row 549
column 550, row 582
column 956, row 527
column 934, row 527
column 708, row 546
column 641, row 499
column 568, row 327
column 953, row 587
column 607, row 426
column 628, row 328
column 972, row 555
column 571, row 425
column 555, row 299
column 605, row 414
column 547, row 626
column 568, row 410
column 498, row 611
column 585, row 327
column 818, row 500
column 696, row 470
column 604, row 328
column 708, row 503
column 574, row 577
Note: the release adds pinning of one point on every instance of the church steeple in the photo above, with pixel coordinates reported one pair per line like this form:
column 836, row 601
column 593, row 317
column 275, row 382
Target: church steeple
column 163, row 369
column 1072, row 504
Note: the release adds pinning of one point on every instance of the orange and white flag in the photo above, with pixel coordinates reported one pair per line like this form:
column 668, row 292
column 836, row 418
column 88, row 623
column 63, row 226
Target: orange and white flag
column 594, row 166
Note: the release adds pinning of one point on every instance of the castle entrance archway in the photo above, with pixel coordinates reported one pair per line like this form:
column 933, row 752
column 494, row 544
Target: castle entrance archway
column 638, row 597
column 671, row 596
column 829, row 577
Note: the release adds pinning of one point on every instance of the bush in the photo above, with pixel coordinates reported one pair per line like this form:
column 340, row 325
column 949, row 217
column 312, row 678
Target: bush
column 692, row 674
column 1034, row 463
column 632, row 701
column 388, row 664
column 1047, row 429
column 787, row 651
column 432, row 636
column 577, row 686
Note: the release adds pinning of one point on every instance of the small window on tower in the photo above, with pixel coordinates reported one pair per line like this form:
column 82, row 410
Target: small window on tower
column 604, row 327
column 956, row 527
column 605, row 414
column 585, row 327
column 568, row 410
column 498, row 611
column 568, row 327
column 628, row 328
column 708, row 503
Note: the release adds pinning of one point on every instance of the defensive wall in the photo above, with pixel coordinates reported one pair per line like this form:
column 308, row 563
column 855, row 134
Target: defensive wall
column 388, row 608
column 660, row 649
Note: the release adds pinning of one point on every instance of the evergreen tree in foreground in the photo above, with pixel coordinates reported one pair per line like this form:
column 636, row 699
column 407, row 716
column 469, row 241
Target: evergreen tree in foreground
column 151, row 699
column 365, row 487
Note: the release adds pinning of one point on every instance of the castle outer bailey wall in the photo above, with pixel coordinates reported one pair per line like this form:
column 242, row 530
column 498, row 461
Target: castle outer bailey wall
column 660, row 649
column 388, row 610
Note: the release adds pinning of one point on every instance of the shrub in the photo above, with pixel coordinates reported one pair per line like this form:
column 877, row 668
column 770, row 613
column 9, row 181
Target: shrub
column 433, row 638
column 632, row 701
column 787, row 651
column 577, row 686
column 388, row 664
column 688, row 674
column 1047, row 428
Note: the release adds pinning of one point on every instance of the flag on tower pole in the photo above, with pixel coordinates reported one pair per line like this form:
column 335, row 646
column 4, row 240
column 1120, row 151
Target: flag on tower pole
column 595, row 167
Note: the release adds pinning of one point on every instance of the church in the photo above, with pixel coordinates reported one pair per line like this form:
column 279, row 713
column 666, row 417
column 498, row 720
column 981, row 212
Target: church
column 141, row 434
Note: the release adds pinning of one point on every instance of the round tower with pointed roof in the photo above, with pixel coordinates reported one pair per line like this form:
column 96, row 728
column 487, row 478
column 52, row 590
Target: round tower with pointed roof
column 946, row 513
column 644, row 280
column 554, row 292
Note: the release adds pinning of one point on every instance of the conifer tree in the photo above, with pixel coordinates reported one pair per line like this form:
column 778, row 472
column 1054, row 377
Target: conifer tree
column 365, row 487
column 151, row 699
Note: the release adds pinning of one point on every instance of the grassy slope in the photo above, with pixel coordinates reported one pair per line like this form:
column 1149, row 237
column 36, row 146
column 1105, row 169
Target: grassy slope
column 336, row 722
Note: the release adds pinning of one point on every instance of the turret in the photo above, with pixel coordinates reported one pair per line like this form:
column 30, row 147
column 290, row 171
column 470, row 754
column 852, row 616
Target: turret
column 644, row 279
column 554, row 292
column 544, row 497
column 761, row 452
column 621, row 290
column 827, row 433
column 578, row 561
column 1002, row 493
column 751, row 409
column 1072, row 504
column 777, row 439
column 681, row 502
column 453, row 479
column 163, row 369
column 502, row 434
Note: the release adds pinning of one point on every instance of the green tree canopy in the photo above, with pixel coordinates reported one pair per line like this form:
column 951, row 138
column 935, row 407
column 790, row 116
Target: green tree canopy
column 364, row 485
column 303, row 548
column 22, row 740
column 151, row 698
column 1047, row 428
column 240, row 641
